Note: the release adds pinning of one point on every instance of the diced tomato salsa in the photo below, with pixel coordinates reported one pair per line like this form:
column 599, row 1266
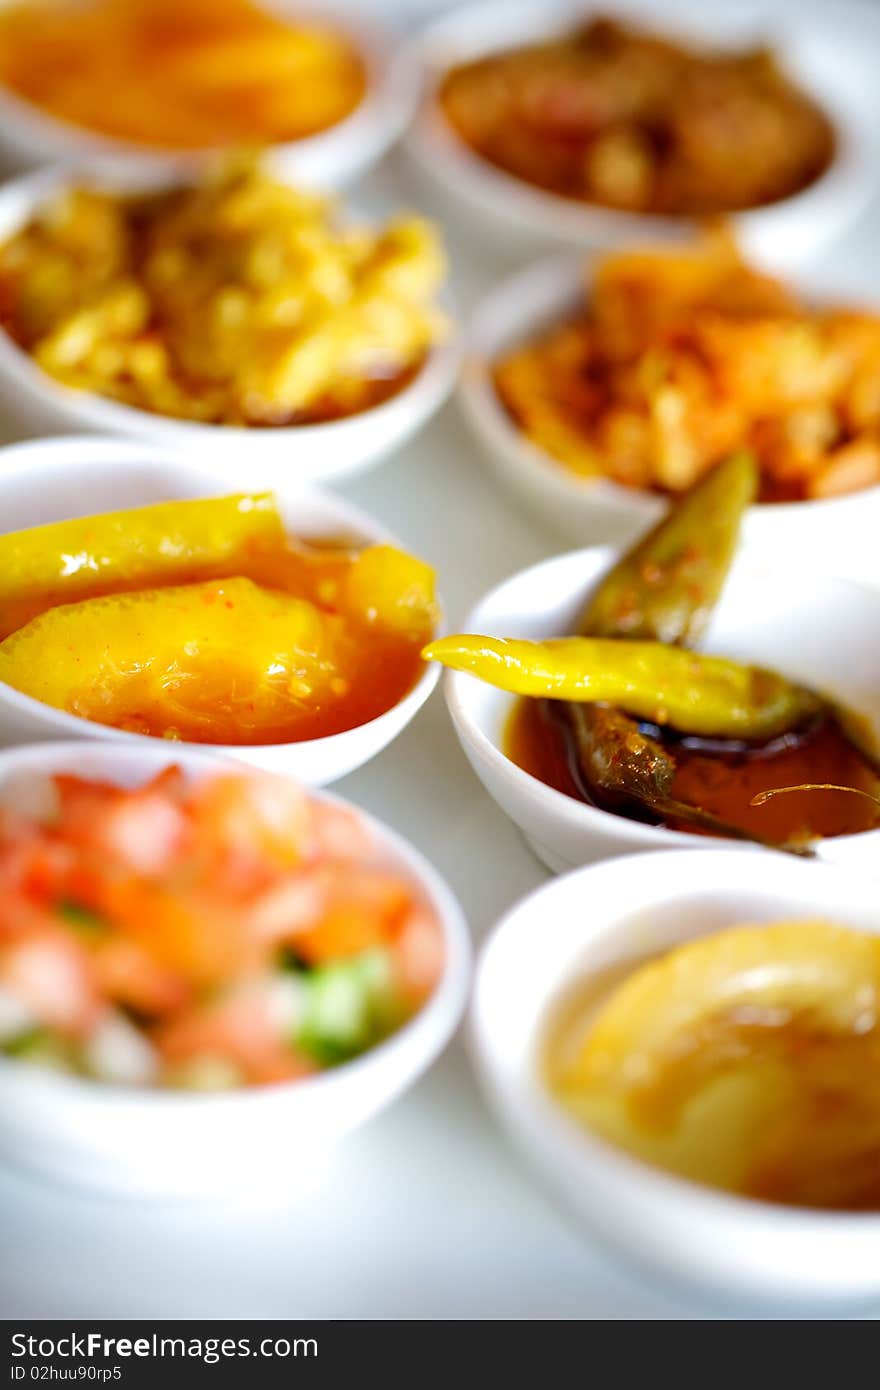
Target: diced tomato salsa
column 228, row 932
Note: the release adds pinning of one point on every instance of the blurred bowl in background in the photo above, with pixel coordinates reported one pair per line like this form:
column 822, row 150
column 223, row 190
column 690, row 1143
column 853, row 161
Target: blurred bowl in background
column 825, row 53
column 36, row 404
column 30, row 135
column 839, row 531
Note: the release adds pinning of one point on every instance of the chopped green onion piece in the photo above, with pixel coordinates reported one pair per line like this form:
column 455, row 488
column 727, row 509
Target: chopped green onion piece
column 81, row 917
column 349, row 1006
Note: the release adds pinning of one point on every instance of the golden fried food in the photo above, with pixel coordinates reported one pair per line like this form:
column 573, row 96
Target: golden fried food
column 613, row 115
column 682, row 357
column 237, row 301
column 181, row 74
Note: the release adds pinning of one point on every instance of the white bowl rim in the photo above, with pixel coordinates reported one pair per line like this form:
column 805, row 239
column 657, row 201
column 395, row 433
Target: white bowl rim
column 432, row 138
column 430, row 382
column 581, row 813
column 440, row 1012
column 389, row 97
column 23, row 458
column 555, row 276
column 580, row 1145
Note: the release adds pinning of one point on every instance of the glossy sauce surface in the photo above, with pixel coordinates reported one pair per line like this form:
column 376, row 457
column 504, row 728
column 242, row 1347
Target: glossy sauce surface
column 719, row 778
column 376, row 666
column 771, row 1103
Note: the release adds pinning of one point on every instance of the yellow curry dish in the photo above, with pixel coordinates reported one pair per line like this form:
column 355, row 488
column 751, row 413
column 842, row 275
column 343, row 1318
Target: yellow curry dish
column 238, row 300
column 180, row 74
column 745, row 1060
column 677, row 358
column 205, row 621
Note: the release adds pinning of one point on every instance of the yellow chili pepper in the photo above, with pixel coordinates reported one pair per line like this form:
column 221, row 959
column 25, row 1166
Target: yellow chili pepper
column 152, row 543
column 703, row 695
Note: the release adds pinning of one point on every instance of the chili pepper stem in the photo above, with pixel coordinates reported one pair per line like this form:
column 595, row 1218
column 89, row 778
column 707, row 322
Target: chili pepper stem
column 768, row 795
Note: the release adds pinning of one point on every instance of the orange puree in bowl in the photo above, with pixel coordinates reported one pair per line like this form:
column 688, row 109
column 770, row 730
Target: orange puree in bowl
column 180, row 73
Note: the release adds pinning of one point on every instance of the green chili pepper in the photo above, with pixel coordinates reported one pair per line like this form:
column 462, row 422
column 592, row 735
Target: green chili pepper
column 708, row 696
column 623, row 764
column 665, row 588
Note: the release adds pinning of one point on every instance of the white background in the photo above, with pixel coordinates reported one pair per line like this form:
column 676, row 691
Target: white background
column 426, row 1213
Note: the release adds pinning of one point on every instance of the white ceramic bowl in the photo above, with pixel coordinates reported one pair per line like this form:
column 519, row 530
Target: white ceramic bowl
column 828, row 54
column 239, row 1144
column 34, row 403
column 55, row 479
column 841, row 531
column 606, row 916
column 810, row 627
column 30, row 135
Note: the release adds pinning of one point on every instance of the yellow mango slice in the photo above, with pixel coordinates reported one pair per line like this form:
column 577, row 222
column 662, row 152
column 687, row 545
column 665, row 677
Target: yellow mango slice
column 221, row 661
column 153, row 543
column 391, row 591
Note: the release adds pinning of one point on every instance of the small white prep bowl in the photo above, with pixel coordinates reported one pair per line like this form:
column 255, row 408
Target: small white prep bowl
column 840, row 531
column 30, row 135
column 56, row 479
column 810, row 627
column 606, row 916
column 237, row 1144
column 827, row 54
column 36, row 404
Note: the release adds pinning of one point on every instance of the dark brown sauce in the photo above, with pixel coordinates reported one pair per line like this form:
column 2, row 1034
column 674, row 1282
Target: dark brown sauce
column 720, row 777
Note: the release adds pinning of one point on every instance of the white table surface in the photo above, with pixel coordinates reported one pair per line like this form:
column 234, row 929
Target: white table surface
column 426, row 1212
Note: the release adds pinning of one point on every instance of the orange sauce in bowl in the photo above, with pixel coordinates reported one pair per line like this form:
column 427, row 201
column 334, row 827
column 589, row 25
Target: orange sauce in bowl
column 180, row 74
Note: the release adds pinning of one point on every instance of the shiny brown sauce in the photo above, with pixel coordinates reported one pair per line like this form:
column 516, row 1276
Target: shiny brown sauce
column 719, row 777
